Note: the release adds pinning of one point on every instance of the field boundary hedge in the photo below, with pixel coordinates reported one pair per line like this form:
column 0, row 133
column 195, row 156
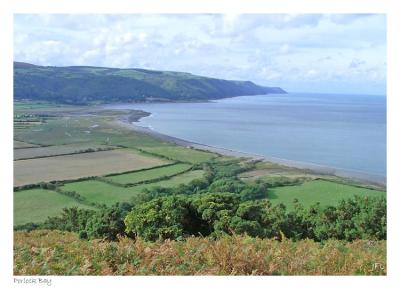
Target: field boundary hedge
column 85, row 151
column 140, row 170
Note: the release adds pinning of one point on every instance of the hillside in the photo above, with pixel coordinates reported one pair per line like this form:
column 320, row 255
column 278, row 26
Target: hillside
column 85, row 84
column 43, row 253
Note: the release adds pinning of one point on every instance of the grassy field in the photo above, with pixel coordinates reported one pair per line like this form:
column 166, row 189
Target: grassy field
column 36, row 205
column 26, row 153
column 100, row 192
column 180, row 179
column 104, row 193
column 63, row 253
column 80, row 165
column 79, row 129
column 181, row 153
column 265, row 170
column 136, row 177
column 324, row 192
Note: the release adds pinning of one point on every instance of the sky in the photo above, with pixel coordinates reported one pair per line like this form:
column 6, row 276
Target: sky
column 327, row 53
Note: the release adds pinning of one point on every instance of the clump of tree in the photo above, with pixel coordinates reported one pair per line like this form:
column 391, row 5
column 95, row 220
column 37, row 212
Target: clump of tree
column 215, row 214
column 104, row 223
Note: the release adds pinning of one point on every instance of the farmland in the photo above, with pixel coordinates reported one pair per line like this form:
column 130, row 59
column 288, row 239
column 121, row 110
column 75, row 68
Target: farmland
column 37, row 152
column 321, row 191
column 68, row 148
column 147, row 175
column 36, row 205
column 100, row 192
column 80, row 165
column 181, row 179
column 182, row 154
column 105, row 193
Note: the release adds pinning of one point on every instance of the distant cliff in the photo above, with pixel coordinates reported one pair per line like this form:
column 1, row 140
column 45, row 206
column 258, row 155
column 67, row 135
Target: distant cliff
column 85, row 84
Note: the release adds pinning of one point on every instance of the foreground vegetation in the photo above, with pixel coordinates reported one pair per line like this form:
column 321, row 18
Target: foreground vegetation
column 63, row 253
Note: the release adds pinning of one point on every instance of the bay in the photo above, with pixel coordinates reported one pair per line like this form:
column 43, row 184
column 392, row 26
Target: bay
column 339, row 131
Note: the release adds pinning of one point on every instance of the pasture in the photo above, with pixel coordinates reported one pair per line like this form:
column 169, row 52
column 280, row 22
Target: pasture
column 76, row 166
column 141, row 176
column 180, row 179
column 322, row 191
column 100, row 192
column 36, row 205
column 105, row 193
column 181, row 153
column 37, row 152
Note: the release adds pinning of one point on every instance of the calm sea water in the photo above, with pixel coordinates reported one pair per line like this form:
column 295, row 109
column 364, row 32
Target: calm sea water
column 340, row 131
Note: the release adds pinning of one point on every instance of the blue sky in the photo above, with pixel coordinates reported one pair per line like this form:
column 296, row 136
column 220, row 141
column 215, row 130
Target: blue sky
column 333, row 53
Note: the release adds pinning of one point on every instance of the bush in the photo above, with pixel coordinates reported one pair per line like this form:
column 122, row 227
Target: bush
column 71, row 219
column 107, row 223
column 161, row 218
column 224, row 213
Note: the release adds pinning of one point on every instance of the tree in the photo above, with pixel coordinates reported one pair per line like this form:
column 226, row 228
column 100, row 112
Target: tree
column 216, row 209
column 160, row 218
column 107, row 223
column 254, row 192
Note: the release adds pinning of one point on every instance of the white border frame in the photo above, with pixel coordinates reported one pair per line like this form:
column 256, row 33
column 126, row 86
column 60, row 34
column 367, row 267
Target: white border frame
column 388, row 7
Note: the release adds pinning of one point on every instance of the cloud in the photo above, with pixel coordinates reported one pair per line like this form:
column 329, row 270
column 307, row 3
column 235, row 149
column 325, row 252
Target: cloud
column 347, row 18
column 288, row 50
column 356, row 63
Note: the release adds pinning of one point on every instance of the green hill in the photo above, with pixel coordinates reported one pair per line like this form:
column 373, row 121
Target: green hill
column 85, row 84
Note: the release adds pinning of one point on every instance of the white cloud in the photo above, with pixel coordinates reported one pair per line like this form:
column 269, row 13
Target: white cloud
column 356, row 63
column 284, row 48
column 289, row 50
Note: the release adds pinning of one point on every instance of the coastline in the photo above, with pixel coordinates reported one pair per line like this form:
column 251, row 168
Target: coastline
column 316, row 168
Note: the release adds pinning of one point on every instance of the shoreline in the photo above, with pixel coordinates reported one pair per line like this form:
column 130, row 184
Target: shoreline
column 316, row 168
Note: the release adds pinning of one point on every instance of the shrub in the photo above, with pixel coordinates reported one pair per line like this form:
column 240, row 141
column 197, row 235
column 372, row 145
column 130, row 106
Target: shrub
column 161, row 218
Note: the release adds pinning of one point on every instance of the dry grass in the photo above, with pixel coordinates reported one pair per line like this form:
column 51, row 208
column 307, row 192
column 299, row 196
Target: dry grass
column 80, row 165
column 61, row 253
column 27, row 153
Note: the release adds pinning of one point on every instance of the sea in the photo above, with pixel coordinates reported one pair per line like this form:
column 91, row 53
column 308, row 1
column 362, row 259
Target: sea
column 334, row 130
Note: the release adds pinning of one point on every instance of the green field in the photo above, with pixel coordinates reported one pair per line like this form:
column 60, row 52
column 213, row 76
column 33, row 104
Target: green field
column 146, row 175
column 324, row 192
column 100, row 192
column 94, row 129
column 181, row 179
column 104, row 193
column 181, row 153
column 37, row 204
